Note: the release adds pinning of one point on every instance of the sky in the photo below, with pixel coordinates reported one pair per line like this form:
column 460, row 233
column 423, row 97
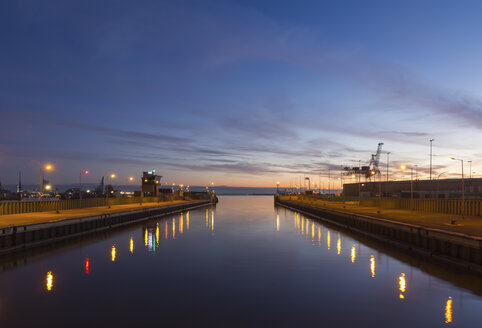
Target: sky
column 239, row 93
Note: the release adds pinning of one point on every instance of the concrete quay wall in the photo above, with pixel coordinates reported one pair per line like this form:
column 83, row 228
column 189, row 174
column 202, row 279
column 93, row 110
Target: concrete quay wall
column 456, row 249
column 22, row 237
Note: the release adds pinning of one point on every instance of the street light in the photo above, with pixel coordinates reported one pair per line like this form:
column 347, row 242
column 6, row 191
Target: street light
column 438, row 178
column 431, row 140
column 277, row 187
column 403, row 168
column 48, row 168
column 388, row 161
column 85, row 172
column 112, row 176
column 463, row 187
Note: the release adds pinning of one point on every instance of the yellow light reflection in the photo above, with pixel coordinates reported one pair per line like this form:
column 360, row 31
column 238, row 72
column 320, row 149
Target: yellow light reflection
column 207, row 218
column 402, row 282
column 313, row 231
column 112, row 253
column 328, row 240
column 49, row 281
column 319, row 236
column 277, row 222
column 448, row 311
column 157, row 233
column 353, row 254
column 372, row 265
column 181, row 224
column 173, row 228
column 302, row 225
column 165, row 230
column 146, row 237
column 131, row 245
column 307, row 228
column 187, row 220
column 338, row 245
column 212, row 220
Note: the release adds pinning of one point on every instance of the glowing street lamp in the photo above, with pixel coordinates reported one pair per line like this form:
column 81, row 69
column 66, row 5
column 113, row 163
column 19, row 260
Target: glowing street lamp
column 277, row 187
column 85, row 172
column 112, row 176
column 48, row 168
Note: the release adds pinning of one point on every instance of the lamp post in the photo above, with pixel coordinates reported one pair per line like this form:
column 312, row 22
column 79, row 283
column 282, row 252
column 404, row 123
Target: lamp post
column 438, row 177
column 404, row 167
column 431, row 140
column 46, row 167
column 85, row 172
column 359, row 187
column 388, row 161
column 112, row 176
column 463, row 187
column 277, row 187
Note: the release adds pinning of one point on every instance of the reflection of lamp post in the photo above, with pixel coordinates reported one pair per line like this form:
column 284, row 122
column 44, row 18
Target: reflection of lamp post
column 404, row 167
column 112, row 176
column 463, row 188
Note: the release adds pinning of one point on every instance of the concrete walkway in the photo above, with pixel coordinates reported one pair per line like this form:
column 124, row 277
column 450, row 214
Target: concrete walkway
column 51, row 216
column 471, row 225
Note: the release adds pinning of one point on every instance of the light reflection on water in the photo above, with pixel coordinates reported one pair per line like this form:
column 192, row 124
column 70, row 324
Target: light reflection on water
column 247, row 265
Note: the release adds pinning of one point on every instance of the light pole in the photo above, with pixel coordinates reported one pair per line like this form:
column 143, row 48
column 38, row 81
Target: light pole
column 85, row 172
column 47, row 167
column 404, row 167
column 388, row 161
column 277, row 187
column 463, row 187
column 438, row 177
column 431, row 140
column 470, row 172
column 112, row 176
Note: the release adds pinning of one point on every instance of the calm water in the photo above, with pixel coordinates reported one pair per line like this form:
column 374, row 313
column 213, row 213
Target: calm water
column 243, row 263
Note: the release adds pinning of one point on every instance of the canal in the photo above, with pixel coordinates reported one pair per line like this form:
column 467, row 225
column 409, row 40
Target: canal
column 243, row 263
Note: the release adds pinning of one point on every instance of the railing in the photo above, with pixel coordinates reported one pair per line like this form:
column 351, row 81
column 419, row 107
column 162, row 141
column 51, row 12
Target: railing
column 18, row 207
column 471, row 207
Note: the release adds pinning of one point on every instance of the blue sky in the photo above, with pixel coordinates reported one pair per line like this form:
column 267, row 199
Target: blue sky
column 242, row 93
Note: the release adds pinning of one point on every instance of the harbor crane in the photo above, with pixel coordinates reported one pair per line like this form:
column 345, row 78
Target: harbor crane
column 370, row 170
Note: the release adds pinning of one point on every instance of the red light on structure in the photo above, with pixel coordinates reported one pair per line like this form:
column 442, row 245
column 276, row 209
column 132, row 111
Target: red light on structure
column 87, row 266
column 86, row 172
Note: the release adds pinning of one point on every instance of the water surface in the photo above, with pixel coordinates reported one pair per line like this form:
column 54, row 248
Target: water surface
column 243, row 263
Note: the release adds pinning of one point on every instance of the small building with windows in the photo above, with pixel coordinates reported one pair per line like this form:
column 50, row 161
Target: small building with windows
column 150, row 183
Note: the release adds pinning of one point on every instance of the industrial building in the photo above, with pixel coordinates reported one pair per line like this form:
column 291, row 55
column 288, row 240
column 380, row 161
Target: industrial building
column 439, row 188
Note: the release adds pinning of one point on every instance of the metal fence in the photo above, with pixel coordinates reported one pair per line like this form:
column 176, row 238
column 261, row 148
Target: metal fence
column 17, row 207
column 471, row 207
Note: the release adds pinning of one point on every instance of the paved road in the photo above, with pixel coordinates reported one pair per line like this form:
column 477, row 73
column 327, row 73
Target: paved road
column 51, row 216
column 471, row 225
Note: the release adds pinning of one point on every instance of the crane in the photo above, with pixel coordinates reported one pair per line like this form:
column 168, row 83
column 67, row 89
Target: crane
column 370, row 170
